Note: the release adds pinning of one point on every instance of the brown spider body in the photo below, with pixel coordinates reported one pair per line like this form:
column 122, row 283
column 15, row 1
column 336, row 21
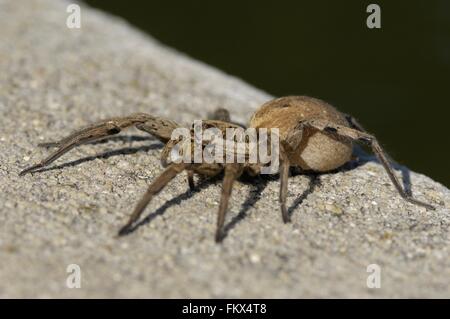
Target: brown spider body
column 318, row 151
column 313, row 136
column 207, row 169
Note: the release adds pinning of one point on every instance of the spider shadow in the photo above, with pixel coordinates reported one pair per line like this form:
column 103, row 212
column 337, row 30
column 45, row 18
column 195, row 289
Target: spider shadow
column 201, row 185
column 258, row 188
column 363, row 157
column 107, row 154
column 314, row 182
column 252, row 198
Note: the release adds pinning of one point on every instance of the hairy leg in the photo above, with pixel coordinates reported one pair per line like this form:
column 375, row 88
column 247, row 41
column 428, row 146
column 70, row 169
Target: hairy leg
column 366, row 138
column 155, row 187
column 159, row 127
column 354, row 123
column 190, row 177
column 156, row 126
column 232, row 171
column 284, row 176
column 223, row 115
column 220, row 114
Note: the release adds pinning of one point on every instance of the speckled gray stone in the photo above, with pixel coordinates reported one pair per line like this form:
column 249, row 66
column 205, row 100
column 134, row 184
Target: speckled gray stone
column 54, row 79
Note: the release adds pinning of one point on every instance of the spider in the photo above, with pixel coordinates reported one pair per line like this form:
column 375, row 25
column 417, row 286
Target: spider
column 314, row 136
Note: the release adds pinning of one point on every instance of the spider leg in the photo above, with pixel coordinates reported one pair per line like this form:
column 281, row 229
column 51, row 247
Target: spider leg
column 354, row 123
column 292, row 142
column 220, row 114
column 284, row 175
column 190, row 177
column 370, row 140
column 155, row 187
column 101, row 130
column 223, row 115
column 159, row 127
column 357, row 126
column 232, row 171
column 48, row 144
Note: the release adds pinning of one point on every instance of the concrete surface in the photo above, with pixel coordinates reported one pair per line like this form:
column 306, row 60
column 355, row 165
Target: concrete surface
column 54, row 79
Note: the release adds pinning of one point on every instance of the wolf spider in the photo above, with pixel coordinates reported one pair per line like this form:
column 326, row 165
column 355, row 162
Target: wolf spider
column 314, row 136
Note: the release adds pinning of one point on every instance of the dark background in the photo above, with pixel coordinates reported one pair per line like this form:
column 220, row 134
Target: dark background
column 395, row 79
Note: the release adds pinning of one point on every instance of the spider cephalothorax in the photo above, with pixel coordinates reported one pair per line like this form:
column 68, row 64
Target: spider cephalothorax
column 313, row 136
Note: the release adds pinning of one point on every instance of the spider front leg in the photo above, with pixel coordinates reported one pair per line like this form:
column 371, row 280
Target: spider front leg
column 158, row 127
column 357, row 134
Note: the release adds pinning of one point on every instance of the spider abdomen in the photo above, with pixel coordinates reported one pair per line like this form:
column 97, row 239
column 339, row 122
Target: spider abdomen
column 318, row 151
column 321, row 153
